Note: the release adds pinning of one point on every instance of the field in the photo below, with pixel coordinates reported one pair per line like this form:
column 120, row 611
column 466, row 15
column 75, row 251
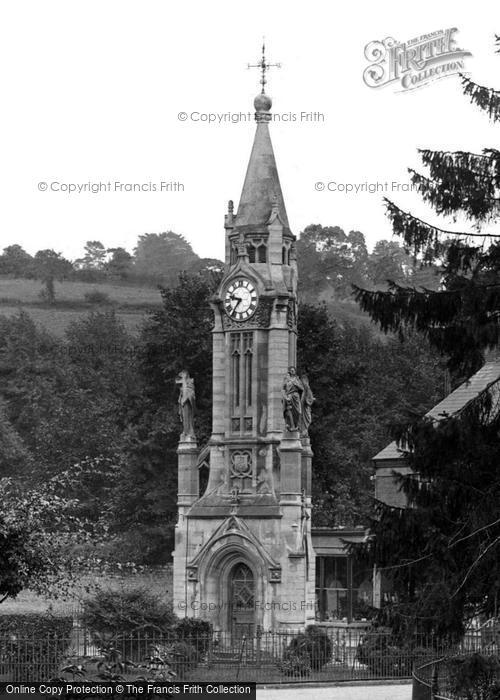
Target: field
column 131, row 303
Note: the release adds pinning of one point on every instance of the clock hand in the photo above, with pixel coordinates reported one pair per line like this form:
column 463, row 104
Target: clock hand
column 239, row 298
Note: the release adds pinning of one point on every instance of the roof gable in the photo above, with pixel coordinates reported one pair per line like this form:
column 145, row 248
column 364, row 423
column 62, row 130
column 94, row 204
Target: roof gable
column 453, row 403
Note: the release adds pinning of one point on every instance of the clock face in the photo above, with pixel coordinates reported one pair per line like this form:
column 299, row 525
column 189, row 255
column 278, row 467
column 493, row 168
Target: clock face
column 240, row 299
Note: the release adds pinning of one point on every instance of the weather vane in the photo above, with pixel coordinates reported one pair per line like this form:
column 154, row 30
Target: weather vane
column 264, row 66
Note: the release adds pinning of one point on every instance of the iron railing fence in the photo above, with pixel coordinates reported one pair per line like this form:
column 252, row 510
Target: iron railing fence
column 328, row 654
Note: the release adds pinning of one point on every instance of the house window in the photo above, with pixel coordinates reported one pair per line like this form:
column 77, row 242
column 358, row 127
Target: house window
column 262, row 251
column 343, row 591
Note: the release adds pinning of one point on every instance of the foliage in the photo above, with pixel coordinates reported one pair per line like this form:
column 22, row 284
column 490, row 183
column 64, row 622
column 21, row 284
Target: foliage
column 113, row 665
column 328, row 258
column 162, row 256
column 49, row 266
column 388, row 656
column 34, row 625
column 20, row 649
column 313, row 644
column 14, row 456
column 362, row 385
column 96, row 296
column 473, row 676
column 94, row 258
column 176, row 337
column 120, row 263
column 331, row 261
column 196, row 632
column 32, row 555
column 461, row 318
column 119, row 613
column 16, row 261
column 295, row 664
column 67, row 401
column 441, row 554
column 184, row 656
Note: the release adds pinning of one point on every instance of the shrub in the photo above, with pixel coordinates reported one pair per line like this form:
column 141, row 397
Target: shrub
column 195, row 632
column 112, row 613
column 386, row 657
column 313, row 646
column 295, row 664
column 96, row 297
column 474, row 676
column 112, row 665
column 33, row 645
column 183, row 657
column 494, row 693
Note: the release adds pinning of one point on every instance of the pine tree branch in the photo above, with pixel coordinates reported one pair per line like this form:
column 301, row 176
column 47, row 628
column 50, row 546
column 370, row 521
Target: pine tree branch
column 471, row 534
column 476, row 200
column 462, row 160
column 394, row 211
column 485, row 98
column 411, row 562
column 475, row 563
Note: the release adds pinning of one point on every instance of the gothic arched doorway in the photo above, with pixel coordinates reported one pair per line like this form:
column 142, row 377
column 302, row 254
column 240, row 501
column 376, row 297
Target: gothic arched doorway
column 241, row 600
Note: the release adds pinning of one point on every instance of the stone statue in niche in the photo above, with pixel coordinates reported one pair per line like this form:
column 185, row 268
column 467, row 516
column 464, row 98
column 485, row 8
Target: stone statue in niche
column 292, row 393
column 187, row 399
column 307, row 402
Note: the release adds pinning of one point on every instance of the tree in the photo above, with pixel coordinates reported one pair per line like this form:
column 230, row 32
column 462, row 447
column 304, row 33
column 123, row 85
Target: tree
column 362, row 385
column 442, row 552
column 15, row 458
column 161, row 256
column 67, row 399
column 388, row 262
column 94, row 258
column 174, row 338
column 38, row 534
column 48, row 267
column 328, row 259
column 16, row 261
column 120, row 262
column 461, row 318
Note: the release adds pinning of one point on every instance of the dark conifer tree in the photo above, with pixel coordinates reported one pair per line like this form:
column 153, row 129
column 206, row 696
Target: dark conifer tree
column 461, row 319
column 442, row 553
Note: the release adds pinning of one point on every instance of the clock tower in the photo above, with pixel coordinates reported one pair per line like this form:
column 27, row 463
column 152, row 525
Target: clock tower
column 243, row 557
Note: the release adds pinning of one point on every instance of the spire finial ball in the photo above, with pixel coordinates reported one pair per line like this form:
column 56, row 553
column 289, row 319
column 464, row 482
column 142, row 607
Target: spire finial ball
column 262, row 103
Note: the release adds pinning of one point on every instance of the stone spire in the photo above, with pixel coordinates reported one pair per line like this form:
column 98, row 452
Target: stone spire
column 261, row 195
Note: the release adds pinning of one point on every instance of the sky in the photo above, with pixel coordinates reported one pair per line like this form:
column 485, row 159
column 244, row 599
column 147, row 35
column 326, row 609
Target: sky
column 92, row 92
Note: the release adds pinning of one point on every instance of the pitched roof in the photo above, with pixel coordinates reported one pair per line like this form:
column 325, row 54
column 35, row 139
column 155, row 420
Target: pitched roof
column 262, row 184
column 455, row 401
